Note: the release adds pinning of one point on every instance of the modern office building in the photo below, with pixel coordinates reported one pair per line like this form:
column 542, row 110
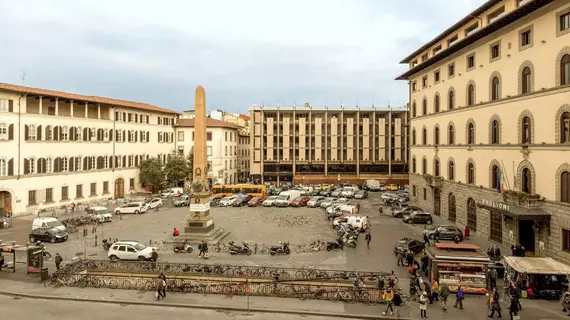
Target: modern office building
column 244, row 154
column 328, row 145
column 490, row 124
column 57, row 147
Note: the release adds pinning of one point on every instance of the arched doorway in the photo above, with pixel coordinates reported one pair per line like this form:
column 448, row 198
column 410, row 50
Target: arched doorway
column 5, row 203
column 437, row 202
column 119, row 188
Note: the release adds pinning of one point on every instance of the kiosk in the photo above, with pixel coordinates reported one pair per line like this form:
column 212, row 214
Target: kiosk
column 459, row 264
column 5, row 252
column 541, row 278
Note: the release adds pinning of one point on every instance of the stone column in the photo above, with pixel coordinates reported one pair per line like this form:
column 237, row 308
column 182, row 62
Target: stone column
column 56, row 106
column 41, row 104
column 390, row 142
column 99, row 111
column 86, row 111
column 71, row 108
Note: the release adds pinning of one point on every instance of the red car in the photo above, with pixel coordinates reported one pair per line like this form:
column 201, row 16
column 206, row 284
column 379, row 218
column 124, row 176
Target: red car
column 256, row 201
column 300, row 202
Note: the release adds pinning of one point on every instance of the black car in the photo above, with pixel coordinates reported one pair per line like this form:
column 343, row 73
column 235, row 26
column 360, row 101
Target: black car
column 404, row 210
column 242, row 201
column 415, row 246
column 419, row 217
column 48, row 234
column 326, row 193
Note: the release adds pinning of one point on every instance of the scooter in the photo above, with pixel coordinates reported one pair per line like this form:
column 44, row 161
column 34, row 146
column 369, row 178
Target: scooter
column 280, row 249
column 108, row 243
column 339, row 244
column 235, row 249
column 182, row 247
column 4, row 224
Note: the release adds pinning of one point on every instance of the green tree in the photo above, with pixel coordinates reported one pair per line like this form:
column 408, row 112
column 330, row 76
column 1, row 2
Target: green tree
column 190, row 160
column 151, row 174
column 177, row 168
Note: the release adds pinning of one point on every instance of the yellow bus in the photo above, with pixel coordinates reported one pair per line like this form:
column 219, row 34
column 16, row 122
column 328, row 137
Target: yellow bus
column 250, row 189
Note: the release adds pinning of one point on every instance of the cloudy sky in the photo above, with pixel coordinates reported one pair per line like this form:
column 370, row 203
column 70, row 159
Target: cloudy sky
column 243, row 52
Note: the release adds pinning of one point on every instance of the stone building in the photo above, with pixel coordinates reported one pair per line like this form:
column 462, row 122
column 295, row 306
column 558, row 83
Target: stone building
column 490, row 124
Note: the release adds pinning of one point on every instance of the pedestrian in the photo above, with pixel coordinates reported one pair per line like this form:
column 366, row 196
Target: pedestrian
column 163, row 278
column 58, row 260
column 494, row 303
column 427, row 290
column 436, row 235
column 426, row 240
column 203, row 249
column 516, row 295
column 392, row 280
column 175, row 233
column 154, row 255
column 424, row 263
column 400, row 256
column 160, row 288
column 410, row 258
column 389, row 298
column 443, row 294
column 397, row 302
column 497, row 252
column 513, row 308
column 381, row 282
column 467, row 232
column 459, row 297
column 492, row 274
column 423, row 305
column 522, row 251
column 513, row 250
column 368, row 238
column 413, row 290
column 435, row 291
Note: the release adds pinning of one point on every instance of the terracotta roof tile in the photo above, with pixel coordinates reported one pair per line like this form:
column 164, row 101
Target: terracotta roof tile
column 210, row 123
column 245, row 117
column 94, row 99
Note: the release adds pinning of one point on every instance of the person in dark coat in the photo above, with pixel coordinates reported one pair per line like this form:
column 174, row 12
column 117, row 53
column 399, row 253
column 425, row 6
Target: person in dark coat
column 368, row 238
column 58, row 260
column 513, row 308
column 494, row 304
column 426, row 240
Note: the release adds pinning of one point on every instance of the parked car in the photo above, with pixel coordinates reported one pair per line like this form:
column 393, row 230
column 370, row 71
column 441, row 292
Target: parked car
column 336, row 193
column 227, row 201
column 446, row 232
column 242, row 200
column 182, row 201
column 326, row 192
column 215, row 201
column 270, row 201
column 100, row 214
column 392, row 187
column 52, row 235
column 340, row 201
column 135, row 207
column 172, row 192
column 315, row 202
column 407, row 210
column 413, row 245
column 300, row 201
column 129, row 250
column 390, row 196
column 420, row 217
column 362, row 194
column 327, row 202
column 153, row 203
column 255, row 201
column 348, row 192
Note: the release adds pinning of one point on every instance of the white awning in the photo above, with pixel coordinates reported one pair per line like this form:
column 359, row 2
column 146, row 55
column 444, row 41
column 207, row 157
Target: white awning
column 532, row 265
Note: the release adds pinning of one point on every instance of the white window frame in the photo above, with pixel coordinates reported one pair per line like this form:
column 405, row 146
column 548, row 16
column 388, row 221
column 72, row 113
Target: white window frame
column 92, row 163
column 4, row 105
column 160, row 137
column 119, row 135
column 105, row 162
column 78, row 133
column 49, row 133
column 64, row 133
column 64, row 164
column 78, row 163
column 31, row 166
column 105, row 134
column 119, row 162
column 3, row 167
column 131, row 161
column 209, row 150
column 32, row 132
column 3, row 129
column 49, row 165
column 93, row 134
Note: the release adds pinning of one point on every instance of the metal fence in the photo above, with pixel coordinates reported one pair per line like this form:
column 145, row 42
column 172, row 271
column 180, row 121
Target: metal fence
column 223, row 270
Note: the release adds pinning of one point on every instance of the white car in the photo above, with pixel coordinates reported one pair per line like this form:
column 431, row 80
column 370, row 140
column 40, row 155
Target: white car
column 100, row 214
column 349, row 193
column 389, row 196
column 129, row 250
column 132, row 207
column 154, row 203
column 315, row 202
column 227, row 201
column 270, row 201
column 327, row 202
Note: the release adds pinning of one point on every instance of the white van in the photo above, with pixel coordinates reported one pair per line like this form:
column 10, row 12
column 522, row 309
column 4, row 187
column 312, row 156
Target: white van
column 359, row 222
column 172, row 192
column 286, row 197
column 48, row 223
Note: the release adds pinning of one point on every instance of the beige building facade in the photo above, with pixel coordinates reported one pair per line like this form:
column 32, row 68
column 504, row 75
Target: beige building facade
column 490, row 124
column 328, row 145
column 244, row 154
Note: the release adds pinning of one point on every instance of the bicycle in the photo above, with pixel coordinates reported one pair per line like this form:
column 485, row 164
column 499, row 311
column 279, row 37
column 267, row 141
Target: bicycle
column 158, row 245
column 232, row 288
column 406, row 303
column 275, row 289
column 342, row 295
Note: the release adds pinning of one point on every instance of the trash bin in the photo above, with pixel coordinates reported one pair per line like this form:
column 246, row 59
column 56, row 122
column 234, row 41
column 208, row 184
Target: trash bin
column 44, row 274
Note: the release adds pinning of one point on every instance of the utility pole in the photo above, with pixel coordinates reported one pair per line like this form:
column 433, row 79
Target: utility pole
column 23, row 77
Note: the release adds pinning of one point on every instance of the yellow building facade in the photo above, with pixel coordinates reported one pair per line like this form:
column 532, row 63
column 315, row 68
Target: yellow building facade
column 490, row 124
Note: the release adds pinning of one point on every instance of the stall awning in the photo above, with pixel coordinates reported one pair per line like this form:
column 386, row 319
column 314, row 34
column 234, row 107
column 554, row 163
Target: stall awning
column 533, row 265
column 520, row 213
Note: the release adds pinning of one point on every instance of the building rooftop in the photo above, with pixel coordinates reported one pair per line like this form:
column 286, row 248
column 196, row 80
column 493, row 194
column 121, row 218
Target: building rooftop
column 244, row 117
column 80, row 97
column 210, row 123
column 327, row 108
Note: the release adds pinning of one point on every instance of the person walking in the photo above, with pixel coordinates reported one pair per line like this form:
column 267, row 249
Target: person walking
column 154, row 255
column 392, row 280
column 58, row 261
column 443, row 294
column 423, row 305
column 424, row 260
column 410, row 258
column 494, row 304
column 163, row 278
column 175, row 233
column 435, row 291
column 436, row 235
column 397, row 302
column 160, row 288
column 459, row 297
column 514, row 308
column 368, row 238
column 426, row 240
column 493, row 275
column 516, row 295
column 400, row 256
column 467, row 232
column 203, row 249
column 389, row 298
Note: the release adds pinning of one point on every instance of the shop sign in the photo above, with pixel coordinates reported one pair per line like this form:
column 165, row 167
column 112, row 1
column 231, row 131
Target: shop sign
column 497, row 205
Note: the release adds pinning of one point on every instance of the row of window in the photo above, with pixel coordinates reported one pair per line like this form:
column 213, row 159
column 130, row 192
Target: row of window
column 526, row 130
column 166, row 137
column 526, row 175
column 93, row 191
column 181, row 135
column 526, row 80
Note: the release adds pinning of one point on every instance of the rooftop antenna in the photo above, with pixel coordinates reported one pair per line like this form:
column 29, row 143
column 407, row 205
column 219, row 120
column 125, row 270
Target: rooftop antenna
column 326, row 107
column 357, row 107
column 23, row 77
column 373, row 107
column 341, row 105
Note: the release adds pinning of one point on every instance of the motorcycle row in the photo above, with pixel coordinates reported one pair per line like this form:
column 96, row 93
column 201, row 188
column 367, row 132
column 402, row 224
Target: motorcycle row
column 347, row 235
column 282, row 248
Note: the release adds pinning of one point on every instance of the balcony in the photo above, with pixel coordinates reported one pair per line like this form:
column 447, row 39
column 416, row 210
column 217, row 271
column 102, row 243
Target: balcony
column 522, row 199
column 435, row 182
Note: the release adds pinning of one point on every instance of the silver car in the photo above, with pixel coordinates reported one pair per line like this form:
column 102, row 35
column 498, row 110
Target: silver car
column 315, row 202
column 336, row 193
column 270, row 201
column 327, row 202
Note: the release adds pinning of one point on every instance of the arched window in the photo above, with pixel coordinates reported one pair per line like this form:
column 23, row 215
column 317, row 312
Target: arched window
column 452, row 208
column 49, row 165
column 78, row 163
column 471, row 173
column 131, row 161
column 451, row 100
column 414, row 136
column 526, row 80
column 32, row 131
column 495, row 139
column 436, row 168
column 436, row 103
column 3, row 167
column 496, row 178
column 526, row 130
column 470, row 133
column 424, row 165
column 451, row 134
column 64, row 164
column 470, row 95
column 424, row 136
column 424, row 107
column 451, row 170
column 31, row 166
column 3, row 130
column 472, row 214
column 414, row 165
column 565, row 127
column 436, row 136
column 414, row 111
column 495, row 89
column 565, row 70
column 526, row 181
column 92, row 163
column 565, row 187
column 49, row 133
column 64, row 133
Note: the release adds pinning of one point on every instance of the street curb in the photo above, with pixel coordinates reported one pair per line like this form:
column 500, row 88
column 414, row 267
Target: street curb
column 198, row 306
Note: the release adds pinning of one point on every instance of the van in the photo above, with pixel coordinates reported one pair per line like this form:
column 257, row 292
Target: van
column 172, row 192
column 358, row 222
column 286, row 197
column 372, row 185
column 48, row 223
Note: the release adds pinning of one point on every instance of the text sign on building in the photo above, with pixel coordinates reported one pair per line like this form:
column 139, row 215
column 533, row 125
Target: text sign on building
column 496, row 205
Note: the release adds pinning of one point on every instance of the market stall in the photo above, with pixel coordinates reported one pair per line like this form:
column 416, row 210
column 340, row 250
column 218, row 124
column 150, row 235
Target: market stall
column 459, row 264
column 540, row 278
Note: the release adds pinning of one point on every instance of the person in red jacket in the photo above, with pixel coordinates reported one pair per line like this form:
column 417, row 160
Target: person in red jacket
column 466, row 232
column 175, row 233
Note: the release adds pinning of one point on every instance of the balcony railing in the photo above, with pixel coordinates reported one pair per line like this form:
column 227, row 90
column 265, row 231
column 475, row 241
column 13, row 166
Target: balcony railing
column 436, row 182
column 522, row 199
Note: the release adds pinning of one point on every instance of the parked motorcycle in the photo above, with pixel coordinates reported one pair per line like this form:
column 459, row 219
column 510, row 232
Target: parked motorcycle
column 235, row 249
column 182, row 247
column 108, row 243
column 280, row 249
column 4, row 224
column 339, row 244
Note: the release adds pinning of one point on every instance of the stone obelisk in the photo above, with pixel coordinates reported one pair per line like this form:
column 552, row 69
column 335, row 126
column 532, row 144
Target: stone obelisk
column 200, row 221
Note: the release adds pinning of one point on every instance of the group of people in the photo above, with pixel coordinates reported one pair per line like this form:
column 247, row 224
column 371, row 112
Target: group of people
column 518, row 250
column 494, row 303
column 494, row 252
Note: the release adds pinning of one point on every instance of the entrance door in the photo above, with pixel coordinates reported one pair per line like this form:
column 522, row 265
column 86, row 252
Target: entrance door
column 5, row 203
column 526, row 235
column 437, row 202
column 119, row 188
column 496, row 226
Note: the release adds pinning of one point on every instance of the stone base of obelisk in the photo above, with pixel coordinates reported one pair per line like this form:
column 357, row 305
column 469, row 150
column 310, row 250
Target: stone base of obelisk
column 197, row 231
